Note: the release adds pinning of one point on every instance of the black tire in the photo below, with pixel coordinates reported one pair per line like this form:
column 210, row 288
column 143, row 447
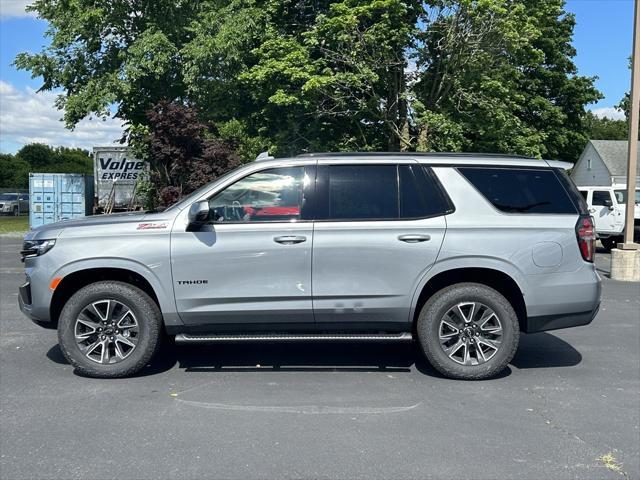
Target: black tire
column 609, row 243
column 15, row 211
column 147, row 314
column 434, row 310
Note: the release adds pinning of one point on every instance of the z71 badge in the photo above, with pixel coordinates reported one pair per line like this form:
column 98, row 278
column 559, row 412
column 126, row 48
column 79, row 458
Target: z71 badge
column 152, row 226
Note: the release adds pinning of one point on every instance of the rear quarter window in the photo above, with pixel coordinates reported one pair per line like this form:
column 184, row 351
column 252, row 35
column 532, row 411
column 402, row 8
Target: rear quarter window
column 521, row 190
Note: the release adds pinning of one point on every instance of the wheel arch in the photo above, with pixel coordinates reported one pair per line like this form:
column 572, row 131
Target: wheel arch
column 497, row 279
column 74, row 281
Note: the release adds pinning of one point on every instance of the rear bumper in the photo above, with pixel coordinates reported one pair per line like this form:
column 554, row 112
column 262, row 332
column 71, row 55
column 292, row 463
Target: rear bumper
column 555, row 322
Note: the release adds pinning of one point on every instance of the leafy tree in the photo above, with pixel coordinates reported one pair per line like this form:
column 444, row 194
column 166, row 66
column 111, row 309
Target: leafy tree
column 45, row 159
column 37, row 155
column 14, row 172
column 182, row 153
column 606, row 128
column 105, row 52
column 488, row 75
column 501, row 75
column 625, row 105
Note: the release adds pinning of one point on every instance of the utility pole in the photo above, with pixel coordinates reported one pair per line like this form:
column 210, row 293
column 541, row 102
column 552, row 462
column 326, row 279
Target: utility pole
column 632, row 159
column 625, row 260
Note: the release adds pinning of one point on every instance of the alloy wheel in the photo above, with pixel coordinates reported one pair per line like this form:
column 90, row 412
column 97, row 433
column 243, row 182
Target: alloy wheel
column 470, row 333
column 106, row 331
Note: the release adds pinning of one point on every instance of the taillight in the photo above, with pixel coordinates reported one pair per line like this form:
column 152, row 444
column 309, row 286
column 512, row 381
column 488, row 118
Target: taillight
column 586, row 235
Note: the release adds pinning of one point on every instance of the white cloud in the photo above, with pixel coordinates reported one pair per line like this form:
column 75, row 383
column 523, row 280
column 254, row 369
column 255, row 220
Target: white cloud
column 609, row 112
column 27, row 116
column 15, row 8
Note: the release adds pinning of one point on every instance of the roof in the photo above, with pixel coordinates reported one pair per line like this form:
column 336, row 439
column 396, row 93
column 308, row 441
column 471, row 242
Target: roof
column 614, row 155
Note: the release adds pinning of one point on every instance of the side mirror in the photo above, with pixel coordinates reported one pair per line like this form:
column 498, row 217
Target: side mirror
column 198, row 215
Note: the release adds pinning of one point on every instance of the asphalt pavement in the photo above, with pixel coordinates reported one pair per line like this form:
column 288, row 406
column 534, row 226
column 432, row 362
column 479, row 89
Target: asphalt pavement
column 568, row 406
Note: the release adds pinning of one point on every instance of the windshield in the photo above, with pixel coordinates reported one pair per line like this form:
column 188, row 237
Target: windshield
column 8, row 196
column 196, row 193
column 621, row 196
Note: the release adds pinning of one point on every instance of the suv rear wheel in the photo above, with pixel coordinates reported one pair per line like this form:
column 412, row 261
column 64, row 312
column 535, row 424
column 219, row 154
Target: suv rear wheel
column 468, row 331
column 109, row 329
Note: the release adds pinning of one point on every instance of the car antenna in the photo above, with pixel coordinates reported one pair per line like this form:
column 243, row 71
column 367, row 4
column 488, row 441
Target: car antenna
column 264, row 156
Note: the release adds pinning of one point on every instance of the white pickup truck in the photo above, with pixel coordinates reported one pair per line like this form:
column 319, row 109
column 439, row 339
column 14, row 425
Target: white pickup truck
column 607, row 206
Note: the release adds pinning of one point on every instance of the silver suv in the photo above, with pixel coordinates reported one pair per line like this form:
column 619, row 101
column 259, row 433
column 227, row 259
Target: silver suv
column 460, row 252
column 14, row 203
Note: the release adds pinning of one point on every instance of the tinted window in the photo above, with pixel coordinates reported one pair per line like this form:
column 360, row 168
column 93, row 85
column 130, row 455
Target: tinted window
column 584, row 194
column 601, row 198
column 579, row 198
column 420, row 195
column 521, row 190
column 363, row 192
column 273, row 195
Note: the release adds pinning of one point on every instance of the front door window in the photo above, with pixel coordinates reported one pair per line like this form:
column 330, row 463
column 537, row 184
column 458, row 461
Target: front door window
column 273, row 195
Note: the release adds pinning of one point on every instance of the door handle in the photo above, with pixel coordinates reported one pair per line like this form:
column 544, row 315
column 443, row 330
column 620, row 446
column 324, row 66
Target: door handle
column 289, row 239
column 414, row 238
column 592, row 210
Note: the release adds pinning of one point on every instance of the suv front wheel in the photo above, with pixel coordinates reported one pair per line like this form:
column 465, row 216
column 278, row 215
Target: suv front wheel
column 468, row 331
column 109, row 329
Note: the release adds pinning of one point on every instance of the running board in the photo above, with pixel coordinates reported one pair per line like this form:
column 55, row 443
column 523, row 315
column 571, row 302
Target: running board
column 294, row 337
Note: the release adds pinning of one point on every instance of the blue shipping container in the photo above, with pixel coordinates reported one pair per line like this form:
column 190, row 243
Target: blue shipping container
column 59, row 196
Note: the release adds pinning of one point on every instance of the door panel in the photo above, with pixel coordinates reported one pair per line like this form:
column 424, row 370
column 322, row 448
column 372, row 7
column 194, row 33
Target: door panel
column 250, row 278
column 252, row 264
column 603, row 215
column 363, row 272
column 366, row 268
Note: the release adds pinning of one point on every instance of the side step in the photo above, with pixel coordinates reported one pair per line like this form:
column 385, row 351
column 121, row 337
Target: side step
column 295, row 337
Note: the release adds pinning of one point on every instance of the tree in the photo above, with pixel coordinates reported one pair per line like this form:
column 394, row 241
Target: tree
column 37, row 155
column 339, row 84
column 14, row 172
column 106, row 52
column 488, row 75
column 500, row 77
column 606, row 128
column 45, row 159
column 182, row 153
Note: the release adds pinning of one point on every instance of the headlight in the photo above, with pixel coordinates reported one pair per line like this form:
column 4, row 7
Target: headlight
column 34, row 248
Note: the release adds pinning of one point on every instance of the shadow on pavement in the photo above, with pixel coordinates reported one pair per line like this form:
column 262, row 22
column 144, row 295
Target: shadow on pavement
column 541, row 350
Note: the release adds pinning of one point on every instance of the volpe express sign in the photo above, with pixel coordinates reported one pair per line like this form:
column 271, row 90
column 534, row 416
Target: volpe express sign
column 116, row 172
column 120, row 169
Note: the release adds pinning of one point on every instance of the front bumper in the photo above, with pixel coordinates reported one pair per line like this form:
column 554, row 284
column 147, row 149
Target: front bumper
column 25, row 303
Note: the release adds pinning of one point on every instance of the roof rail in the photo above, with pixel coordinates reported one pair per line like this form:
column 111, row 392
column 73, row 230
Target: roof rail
column 414, row 154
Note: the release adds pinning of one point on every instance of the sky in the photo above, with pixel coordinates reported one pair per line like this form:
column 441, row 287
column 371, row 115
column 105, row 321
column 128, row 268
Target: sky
column 602, row 38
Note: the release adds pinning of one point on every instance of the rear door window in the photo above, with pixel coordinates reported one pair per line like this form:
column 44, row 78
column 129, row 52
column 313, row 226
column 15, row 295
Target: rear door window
column 521, row 190
column 363, row 192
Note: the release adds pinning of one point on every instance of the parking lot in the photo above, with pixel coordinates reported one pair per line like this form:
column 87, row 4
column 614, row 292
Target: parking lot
column 567, row 407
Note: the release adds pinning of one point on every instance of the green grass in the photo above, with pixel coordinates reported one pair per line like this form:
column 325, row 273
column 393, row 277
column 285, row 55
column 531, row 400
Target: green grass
column 14, row 224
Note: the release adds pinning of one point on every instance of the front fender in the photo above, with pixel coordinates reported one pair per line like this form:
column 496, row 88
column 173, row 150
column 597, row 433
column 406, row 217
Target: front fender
column 155, row 275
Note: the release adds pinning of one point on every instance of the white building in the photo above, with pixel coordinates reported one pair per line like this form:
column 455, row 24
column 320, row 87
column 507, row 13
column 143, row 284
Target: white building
column 603, row 162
